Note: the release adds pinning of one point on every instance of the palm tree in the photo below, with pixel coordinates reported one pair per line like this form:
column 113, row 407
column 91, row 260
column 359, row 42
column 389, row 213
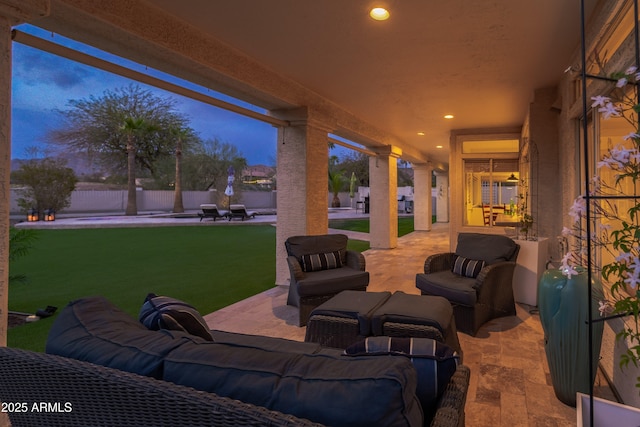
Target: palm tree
column 180, row 134
column 131, row 127
column 336, row 184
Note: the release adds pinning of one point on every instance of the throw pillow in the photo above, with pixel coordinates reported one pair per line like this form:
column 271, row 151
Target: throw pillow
column 160, row 312
column 322, row 261
column 435, row 362
column 466, row 267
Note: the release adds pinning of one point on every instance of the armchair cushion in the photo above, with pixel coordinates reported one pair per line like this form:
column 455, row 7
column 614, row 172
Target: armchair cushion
column 489, row 248
column 305, row 245
column 332, row 281
column 466, row 267
column 321, row 261
column 455, row 288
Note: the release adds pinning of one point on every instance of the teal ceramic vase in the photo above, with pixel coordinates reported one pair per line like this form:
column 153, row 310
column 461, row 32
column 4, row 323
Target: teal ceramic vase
column 564, row 316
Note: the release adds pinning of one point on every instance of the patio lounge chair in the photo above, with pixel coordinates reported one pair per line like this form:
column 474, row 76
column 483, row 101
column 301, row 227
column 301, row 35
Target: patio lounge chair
column 477, row 279
column 320, row 268
column 240, row 211
column 210, row 211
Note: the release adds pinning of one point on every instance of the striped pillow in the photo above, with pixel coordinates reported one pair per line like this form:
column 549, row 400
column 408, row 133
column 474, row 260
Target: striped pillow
column 160, row 312
column 323, row 261
column 466, row 267
column 435, row 363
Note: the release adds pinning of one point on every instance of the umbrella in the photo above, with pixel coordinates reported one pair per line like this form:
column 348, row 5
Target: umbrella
column 230, row 178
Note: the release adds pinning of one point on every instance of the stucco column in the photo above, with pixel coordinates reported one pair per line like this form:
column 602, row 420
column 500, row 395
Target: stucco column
column 422, row 209
column 383, row 207
column 12, row 12
column 302, row 182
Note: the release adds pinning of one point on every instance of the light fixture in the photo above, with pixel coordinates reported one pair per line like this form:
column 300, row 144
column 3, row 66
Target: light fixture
column 49, row 215
column 421, row 133
column 438, row 146
column 379, row 14
column 512, row 178
column 32, row 215
column 448, row 116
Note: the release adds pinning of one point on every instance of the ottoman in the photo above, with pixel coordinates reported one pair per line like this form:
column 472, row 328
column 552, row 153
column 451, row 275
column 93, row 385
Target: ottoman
column 351, row 316
column 417, row 316
column 344, row 319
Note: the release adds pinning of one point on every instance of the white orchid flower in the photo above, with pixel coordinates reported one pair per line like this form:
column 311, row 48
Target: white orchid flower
column 609, row 110
column 578, row 209
column 600, row 101
column 566, row 268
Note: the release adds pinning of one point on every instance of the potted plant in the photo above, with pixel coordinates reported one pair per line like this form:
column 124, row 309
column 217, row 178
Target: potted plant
column 524, row 225
column 606, row 222
column 336, row 184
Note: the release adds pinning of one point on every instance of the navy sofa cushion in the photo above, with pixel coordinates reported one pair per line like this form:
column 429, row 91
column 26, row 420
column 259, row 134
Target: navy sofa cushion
column 94, row 330
column 325, row 388
column 266, row 343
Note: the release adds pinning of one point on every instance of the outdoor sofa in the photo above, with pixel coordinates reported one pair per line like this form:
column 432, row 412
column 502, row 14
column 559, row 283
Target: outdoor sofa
column 169, row 377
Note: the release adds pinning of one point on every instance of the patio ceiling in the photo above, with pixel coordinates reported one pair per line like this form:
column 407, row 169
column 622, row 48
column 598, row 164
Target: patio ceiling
column 475, row 59
column 478, row 60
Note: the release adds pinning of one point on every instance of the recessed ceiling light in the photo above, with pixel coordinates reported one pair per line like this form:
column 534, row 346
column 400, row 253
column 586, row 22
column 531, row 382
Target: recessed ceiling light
column 448, row 116
column 438, row 146
column 379, row 14
column 421, row 133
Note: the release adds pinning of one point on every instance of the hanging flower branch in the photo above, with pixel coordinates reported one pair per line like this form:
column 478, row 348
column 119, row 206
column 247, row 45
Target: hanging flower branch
column 614, row 230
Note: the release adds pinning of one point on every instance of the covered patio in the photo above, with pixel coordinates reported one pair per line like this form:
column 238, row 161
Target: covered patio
column 510, row 383
column 310, row 84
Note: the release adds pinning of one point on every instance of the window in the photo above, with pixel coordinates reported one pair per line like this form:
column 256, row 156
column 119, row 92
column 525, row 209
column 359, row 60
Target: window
column 611, row 133
column 604, row 135
column 490, row 191
column 490, row 146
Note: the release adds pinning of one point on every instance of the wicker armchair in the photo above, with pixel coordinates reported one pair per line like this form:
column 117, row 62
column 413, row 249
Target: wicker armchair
column 475, row 300
column 308, row 289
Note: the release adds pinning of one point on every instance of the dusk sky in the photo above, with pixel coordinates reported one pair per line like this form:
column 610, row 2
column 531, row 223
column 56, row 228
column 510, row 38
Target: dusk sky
column 43, row 82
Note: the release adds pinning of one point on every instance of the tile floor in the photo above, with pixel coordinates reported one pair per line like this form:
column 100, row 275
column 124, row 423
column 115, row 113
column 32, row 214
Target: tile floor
column 510, row 383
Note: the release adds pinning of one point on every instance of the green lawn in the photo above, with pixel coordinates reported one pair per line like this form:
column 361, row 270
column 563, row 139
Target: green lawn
column 405, row 225
column 209, row 267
